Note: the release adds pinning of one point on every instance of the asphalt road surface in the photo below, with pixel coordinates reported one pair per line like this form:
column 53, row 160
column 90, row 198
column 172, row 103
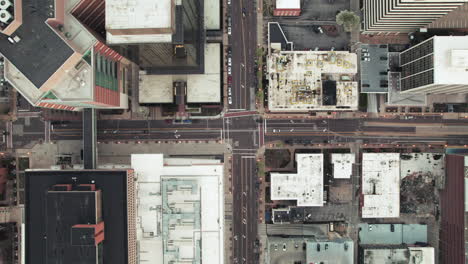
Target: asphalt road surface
column 243, row 43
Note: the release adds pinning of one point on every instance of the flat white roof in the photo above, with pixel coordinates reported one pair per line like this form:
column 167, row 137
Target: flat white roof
column 288, row 4
column 381, row 185
column 420, row 255
column 206, row 88
column 450, row 59
column 139, row 14
column 156, row 89
column 297, row 81
column 212, row 14
column 306, row 186
column 180, row 203
column 343, row 165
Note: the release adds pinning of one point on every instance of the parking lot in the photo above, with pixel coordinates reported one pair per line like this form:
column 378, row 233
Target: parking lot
column 315, row 28
column 305, row 37
column 323, row 10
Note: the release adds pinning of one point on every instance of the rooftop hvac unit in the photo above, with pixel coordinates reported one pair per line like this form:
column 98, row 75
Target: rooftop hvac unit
column 4, row 4
column 5, row 16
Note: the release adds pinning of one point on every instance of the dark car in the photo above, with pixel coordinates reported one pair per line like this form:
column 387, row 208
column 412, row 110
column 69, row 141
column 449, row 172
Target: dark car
column 229, row 79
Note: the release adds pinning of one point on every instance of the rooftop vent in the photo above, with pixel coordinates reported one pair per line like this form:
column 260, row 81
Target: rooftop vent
column 4, row 4
column 5, row 16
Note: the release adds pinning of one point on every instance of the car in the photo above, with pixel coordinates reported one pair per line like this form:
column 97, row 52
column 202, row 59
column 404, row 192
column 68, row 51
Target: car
column 244, row 12
column 276, row 247
column 229, row 79
column 318, row 247
column 229, row 90
column 229, row 21
column 228, row 2
column 317, row 29
column 370, row 227
column 229, row 30
column 284, row 246
column 230, row 100
column 392, row 228
column 229, row 51
column 229, row 70
column 229, row 61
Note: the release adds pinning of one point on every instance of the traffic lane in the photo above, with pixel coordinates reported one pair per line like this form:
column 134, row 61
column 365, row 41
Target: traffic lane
column 327, row 138
column 236, row 41
column 139, row 134
column 313, row 125
column 237, row 205
column 245, row 221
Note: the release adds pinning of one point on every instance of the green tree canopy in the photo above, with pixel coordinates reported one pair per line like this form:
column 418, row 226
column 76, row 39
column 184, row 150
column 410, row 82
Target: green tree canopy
column 348, row 19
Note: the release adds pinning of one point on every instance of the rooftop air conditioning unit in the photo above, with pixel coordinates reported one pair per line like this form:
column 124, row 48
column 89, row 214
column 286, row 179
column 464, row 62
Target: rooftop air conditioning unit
column 5, row 16
column 4, row 4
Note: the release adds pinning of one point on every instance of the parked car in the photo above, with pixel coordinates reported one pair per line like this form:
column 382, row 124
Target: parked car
column 317, row 29
column 229, row 79
column 229, row 31
column 229, row 70
column 229, row 61
column 230, row 100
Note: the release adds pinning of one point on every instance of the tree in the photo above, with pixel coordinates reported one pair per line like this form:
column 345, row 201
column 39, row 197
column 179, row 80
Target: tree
column 348, row 19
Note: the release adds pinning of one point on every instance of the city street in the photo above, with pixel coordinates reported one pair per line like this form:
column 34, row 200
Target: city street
column 243, row 43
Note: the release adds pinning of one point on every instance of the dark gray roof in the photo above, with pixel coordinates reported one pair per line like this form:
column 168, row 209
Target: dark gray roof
column 40, row 52
column 41, row 220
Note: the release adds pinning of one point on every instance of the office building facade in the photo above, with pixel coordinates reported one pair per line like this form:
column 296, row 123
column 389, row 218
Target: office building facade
column 404, row 15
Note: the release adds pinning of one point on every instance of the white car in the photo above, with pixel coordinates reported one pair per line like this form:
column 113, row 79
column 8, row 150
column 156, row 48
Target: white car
column 229, row 70
column 229, row 31
column 229, row 61
column 229, row 91
column 230, row 100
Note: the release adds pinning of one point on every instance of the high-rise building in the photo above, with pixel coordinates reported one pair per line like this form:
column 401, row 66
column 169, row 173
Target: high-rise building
column 56, row 59
column 168, row 34
column 404, row 15
column 436, row 66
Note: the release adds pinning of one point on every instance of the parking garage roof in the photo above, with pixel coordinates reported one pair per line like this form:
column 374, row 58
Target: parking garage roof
column 374, row 68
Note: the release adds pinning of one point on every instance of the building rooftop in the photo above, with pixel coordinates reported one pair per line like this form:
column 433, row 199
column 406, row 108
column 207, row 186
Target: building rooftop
column 423, row 163
column 201, row 88
column 312, row 81
column 374, row 68
column 305, row 186
column 54, row 214
column 212, row 14
column 63, row 211
column 40, row 52
column 450, row 59
column 206, row 88
column 395, row 97
column 382, row 234
column 288, row 4
column 335, row 251
column 417, row 255
column 179, row 209
column 154, row 19
column 381, row 185
column 343, row 165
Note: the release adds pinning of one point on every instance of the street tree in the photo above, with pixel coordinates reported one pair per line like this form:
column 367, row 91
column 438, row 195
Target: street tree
column 348, row 19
